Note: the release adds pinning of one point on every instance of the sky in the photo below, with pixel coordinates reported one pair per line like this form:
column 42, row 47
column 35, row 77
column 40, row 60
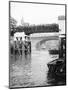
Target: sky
column 36, row 13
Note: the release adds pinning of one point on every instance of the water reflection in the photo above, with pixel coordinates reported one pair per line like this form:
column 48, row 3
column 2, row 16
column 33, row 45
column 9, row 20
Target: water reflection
column 30, row 69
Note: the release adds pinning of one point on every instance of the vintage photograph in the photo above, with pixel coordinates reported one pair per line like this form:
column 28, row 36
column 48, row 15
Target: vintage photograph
column 37, row 44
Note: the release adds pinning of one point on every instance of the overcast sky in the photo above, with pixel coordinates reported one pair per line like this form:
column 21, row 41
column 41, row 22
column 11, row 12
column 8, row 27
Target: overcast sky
column 36, row 13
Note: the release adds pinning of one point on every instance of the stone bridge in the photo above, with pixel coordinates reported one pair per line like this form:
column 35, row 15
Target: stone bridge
column 38, row 40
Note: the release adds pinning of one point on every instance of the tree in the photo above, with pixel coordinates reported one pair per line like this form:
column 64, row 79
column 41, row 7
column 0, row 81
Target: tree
column 13, row 24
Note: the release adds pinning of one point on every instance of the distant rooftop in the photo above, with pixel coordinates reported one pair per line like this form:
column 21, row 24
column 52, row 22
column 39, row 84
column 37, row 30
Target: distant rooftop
column 61, row 17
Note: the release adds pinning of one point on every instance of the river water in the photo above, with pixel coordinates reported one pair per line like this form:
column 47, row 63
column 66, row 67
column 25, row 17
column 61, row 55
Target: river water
column 31, row 70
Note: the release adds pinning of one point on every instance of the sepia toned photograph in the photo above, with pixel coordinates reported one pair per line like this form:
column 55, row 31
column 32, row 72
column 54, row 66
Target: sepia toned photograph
column 37, row 44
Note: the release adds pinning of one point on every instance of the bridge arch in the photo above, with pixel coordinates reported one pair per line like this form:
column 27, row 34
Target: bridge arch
column 42, row 40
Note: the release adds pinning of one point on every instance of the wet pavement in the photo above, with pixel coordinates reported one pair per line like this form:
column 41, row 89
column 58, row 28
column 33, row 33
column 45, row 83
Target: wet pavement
column 31, row 70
